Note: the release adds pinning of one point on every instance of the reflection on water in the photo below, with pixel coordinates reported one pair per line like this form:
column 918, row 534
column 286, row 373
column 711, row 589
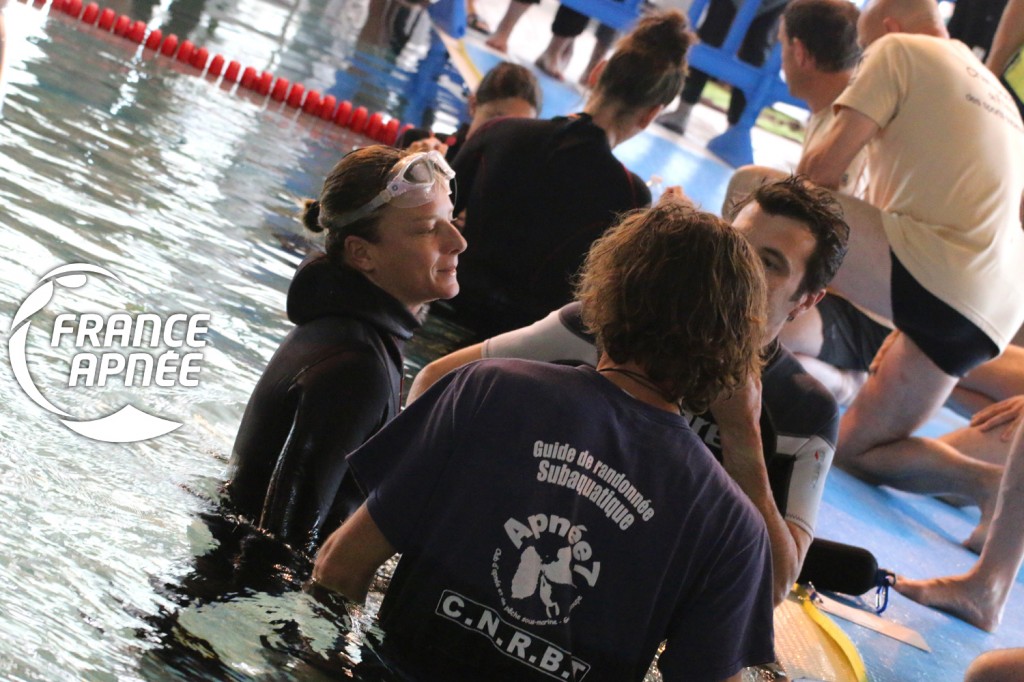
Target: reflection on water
column 113, row 561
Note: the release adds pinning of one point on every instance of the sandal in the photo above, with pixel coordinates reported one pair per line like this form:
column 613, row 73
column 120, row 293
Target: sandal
column 477, row 23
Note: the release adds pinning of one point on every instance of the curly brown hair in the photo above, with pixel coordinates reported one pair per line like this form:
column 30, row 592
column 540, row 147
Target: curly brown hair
column 680, row 293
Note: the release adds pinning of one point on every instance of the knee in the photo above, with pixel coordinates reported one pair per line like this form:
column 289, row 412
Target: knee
column 996, row 666
column 744, row 181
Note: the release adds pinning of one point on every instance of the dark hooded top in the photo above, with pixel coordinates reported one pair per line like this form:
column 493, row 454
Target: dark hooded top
column 333, row 383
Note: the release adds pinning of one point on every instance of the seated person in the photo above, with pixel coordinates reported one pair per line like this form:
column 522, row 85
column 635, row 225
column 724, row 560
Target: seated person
column 538, row 193
column 336, row 378
column 507, row 90
column 561, row 522
column 801, row 238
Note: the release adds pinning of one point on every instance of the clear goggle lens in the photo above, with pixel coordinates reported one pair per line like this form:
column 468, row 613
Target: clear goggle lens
column 415, row 180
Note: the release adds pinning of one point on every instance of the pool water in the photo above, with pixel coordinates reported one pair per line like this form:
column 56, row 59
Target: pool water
column 186, row 191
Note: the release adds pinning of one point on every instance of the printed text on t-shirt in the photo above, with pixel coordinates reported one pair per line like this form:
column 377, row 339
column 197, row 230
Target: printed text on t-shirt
column 613, row 493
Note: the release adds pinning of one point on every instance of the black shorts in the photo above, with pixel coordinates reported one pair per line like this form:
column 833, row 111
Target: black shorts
column 948, row 338
column 851, row 338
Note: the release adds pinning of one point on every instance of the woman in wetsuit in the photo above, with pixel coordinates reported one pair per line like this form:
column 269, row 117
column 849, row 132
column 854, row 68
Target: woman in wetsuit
column 537, row 193
column 336, row 379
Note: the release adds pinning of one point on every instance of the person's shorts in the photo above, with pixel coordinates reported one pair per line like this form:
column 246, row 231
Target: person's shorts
column 949, row 339
column 851, row 338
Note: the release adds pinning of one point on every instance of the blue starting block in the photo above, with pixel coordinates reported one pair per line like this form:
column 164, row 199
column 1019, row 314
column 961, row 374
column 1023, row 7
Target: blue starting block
column 762, row 85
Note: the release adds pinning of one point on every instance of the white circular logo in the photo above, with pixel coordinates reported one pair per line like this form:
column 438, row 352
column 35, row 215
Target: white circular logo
column 127, row 424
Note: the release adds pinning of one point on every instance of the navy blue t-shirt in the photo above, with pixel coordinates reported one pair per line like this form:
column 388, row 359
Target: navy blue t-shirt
column 552, row 526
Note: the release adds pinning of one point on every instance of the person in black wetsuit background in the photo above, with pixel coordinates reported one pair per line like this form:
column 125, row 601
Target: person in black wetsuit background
column 538, row 193
column 508, row 90
column 336, row 379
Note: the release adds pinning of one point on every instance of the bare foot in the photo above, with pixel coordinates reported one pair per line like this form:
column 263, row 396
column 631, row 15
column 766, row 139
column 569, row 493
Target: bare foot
column 547, row 67
column 969, row 600
column 497, row 42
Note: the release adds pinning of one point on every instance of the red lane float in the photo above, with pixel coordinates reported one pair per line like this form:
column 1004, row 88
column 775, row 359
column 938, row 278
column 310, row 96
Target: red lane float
column 107, row 17
column 377, row 127
column 231, row 73
column 216, row 65
column 154, row 39
column 169, row 45
column 295, row 95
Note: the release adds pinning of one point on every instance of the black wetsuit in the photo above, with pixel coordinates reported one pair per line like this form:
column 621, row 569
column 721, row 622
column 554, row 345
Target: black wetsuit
column 454, row 141
column 333, row 383
column 537, row 193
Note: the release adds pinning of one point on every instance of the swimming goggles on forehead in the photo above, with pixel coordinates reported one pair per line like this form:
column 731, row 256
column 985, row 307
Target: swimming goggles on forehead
column 414, row 181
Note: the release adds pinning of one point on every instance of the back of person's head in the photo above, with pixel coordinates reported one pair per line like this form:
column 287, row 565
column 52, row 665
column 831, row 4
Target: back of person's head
column 797, row 198
column 827, row 29
column 680, row 293
column 352, row 183
column 900, row 16
column 508, row 80
column 648, row 66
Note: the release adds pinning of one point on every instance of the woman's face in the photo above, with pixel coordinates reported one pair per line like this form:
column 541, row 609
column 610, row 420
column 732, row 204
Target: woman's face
column 417, row 254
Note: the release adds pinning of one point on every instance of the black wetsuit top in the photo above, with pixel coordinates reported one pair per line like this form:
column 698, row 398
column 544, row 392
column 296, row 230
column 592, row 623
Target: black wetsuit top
column 333, row 383
column 537, row 193
column 454, row 141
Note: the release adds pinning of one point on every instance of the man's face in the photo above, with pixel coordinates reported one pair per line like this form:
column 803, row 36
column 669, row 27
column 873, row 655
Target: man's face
column 785, row 245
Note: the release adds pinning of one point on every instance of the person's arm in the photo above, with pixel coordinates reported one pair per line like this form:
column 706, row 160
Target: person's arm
column 826, row 162
column 351, row 556
column 1009, row 36
column 342, row 403
column 1007, row 412
column 743, row 458
column 429, row 375
column 546, row 340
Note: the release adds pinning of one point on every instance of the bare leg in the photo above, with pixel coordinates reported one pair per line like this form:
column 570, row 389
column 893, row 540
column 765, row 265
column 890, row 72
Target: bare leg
column 744, row 181
column 995, row 380
column 979, row 596
column 866, row 272
column 556, row 56
column 604, row 41
column 999, row 665
column 874, row 434
column 843, row 384
column 515, row 12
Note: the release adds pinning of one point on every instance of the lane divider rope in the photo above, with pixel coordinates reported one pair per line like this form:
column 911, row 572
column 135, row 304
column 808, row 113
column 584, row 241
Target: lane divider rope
column 378, row 126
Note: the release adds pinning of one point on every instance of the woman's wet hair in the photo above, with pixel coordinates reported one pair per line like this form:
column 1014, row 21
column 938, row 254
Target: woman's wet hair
column 648, row 66
column 352, row 183
column 680, row 293
column 507, row 81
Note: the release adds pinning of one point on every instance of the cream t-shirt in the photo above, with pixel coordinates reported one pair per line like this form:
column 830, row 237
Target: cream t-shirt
column 947, row 171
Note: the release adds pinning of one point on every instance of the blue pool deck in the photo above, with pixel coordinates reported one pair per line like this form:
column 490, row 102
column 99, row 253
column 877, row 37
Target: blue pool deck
column 909, row 534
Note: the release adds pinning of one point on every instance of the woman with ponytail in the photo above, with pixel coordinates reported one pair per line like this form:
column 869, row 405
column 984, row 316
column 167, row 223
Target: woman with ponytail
column 391, row 248
column 537, row 193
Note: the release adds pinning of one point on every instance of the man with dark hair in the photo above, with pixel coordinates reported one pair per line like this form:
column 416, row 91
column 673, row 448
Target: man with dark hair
column 560, row 522
column 800, row 236
column 819, row 53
